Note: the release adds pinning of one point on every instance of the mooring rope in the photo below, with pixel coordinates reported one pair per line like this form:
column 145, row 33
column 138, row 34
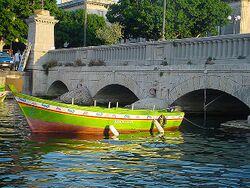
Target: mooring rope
column 195, row 124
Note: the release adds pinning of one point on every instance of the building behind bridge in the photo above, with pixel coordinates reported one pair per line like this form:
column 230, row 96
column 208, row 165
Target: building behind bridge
column 99, row 7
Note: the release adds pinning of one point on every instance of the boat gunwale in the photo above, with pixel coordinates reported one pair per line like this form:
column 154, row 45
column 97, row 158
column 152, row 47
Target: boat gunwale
column 141, row 112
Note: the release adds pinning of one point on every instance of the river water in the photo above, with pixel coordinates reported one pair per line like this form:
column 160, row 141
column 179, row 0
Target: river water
column 192, row 157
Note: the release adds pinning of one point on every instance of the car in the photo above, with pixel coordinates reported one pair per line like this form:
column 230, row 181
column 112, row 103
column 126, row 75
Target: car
column 6, row 61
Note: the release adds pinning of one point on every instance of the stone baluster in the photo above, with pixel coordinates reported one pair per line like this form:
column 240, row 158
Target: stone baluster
column 235, row 47
column 182, row 49
column 220, row 48
column 230, row 48
column 195, row 49
column 137, row 53
column 186, row 50
column 112, row 52
column 116, row 53
column 179, row 50
column 106, row 54
column 191, row 50
column 200, row 46
column 245, row 47
column 209, row 49
column 240, row 47
column 224, row 48
column 214, row 50
column 205, row 49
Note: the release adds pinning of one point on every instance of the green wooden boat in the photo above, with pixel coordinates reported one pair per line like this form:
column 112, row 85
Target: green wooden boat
column 49, row 116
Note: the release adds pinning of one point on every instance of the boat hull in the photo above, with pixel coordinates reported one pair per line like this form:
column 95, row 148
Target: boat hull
column 44, row 116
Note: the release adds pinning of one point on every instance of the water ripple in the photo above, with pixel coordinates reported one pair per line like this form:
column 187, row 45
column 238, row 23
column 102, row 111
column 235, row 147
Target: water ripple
column 179, row 159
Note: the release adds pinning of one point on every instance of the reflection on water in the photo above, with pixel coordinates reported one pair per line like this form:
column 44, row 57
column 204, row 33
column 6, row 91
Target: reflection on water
column 203, row 158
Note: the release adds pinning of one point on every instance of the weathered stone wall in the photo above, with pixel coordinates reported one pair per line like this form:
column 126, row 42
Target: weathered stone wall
column 170, row 82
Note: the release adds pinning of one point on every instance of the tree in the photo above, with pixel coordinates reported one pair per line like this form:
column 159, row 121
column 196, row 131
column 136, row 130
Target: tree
column 110, row 34
column 13, row 13
column 184, row 18
column 70, row 28
column 139, row 18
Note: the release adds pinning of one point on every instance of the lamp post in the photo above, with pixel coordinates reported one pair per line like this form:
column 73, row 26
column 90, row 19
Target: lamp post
column 85, row 22
column 42, row 4
column 164, row 20
column 235, row 19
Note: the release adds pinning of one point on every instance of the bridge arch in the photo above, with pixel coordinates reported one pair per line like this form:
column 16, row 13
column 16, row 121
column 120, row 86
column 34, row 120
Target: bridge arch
column 115, row 93
column 217, row 88
column 57, row 88
column 122, row 80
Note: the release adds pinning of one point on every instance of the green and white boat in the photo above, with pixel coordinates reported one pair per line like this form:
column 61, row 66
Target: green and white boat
column 54, row 117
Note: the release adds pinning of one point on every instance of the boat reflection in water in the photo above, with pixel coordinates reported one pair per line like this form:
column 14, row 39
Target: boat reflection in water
column 131, row 143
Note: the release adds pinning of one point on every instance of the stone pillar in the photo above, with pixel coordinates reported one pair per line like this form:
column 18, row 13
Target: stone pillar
column 40, row 35
column 245, row 16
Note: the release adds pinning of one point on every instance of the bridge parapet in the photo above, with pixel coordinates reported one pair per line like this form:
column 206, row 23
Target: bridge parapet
column 221, row 49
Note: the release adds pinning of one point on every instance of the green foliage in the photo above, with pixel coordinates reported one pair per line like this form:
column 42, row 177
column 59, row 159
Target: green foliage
column 184, row 18
column 12, row 18
column 71, row 25
column 141, row 18
column 78, row 63
column 164, row 62
column 96, row 63
column 48, row 65
column 110, row 34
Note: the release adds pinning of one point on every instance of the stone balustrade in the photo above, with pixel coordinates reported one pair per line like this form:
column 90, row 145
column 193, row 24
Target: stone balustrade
column 222, row 49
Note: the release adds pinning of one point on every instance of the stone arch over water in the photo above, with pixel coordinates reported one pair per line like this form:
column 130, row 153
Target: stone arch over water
column 122, row 80
column 216, row 86
column 115, row 93
column 57, row 88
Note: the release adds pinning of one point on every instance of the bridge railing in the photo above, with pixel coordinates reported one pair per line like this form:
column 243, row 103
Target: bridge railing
column 220, row 49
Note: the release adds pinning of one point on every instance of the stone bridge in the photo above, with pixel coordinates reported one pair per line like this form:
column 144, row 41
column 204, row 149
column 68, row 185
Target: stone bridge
column 176, row 71
column 189, row 72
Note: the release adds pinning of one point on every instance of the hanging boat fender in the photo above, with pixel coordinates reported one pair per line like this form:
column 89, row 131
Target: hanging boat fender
column 162, row 120
column 158, row 126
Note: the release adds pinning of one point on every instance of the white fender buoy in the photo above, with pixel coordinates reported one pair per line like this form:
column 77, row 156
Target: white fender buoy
column 158, row 126
column 113, row 130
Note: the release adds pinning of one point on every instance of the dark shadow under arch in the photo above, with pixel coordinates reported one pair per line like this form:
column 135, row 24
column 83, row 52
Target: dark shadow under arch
column 115, row 93
column 56, row 89
column 218, row 103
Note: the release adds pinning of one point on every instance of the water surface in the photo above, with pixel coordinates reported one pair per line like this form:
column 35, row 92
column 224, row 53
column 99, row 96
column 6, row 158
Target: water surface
column 192, row 157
